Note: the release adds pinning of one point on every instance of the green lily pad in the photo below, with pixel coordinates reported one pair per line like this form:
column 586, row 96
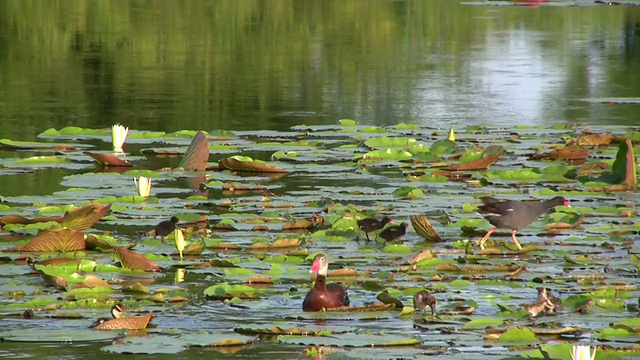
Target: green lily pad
column 481, row 324
column 350, row 340
column 156, row 344
column 518, row 335
column 57, row 335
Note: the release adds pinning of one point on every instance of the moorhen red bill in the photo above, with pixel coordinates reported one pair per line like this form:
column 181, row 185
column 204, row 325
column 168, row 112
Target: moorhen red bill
column 394, row 232
column 323, row 296
column 370, row 225
column 514, row 215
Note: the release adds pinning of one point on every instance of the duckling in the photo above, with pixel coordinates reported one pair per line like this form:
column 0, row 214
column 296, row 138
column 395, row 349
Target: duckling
column 423, row 299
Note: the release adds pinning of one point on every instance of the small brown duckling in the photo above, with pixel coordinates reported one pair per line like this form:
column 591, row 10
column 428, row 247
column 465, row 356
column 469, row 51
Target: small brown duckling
column 543, row 293
column 423, row 299
column 540, row 307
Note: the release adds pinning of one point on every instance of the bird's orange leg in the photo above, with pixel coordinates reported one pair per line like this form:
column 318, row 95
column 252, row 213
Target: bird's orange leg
column 486, row 237
column 515, row 241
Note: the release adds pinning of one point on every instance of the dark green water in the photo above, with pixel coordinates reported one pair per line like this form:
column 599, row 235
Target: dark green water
column 250, row 64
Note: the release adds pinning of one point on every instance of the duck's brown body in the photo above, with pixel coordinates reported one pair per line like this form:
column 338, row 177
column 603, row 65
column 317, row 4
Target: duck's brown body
column 323, row 296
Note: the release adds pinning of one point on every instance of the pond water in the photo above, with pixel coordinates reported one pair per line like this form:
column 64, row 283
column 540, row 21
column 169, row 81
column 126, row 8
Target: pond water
column 280, row 75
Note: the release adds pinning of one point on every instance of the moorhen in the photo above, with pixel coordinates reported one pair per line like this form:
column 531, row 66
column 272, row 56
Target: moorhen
column 394, row 232
column 423, row 299
column 370, row 224
column 166, row 227
column 323, row 296
column 514, row 215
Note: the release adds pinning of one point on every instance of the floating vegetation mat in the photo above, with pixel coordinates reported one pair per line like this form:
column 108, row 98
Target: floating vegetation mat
column 206, row 239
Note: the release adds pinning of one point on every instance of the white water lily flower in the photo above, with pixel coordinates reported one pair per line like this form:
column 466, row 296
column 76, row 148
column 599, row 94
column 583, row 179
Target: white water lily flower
column 180, row 243
column 143, row 184
column 118, row 136
column 583, row 352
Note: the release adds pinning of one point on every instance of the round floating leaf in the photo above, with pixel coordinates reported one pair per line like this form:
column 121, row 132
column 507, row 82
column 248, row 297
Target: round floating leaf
column 157, row 344
column 242, row 164
column 442, row 147
column 350, row 340
column 386, row 142
column 518, row 335
column 27, row 145
column 65, row 335
column 217, row 340
column 386, row 154
column 482, row 323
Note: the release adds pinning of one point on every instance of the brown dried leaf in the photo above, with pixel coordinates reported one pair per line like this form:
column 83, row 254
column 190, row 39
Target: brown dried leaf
column 63, row 240
column 95, row 243
column 479, row 164
column 258, row 279
column 299, row 224
column 57, row 261
column 375, row 307
column 92, row 281
column 197, row 155
column 425, row 254
column 630, row 177
column 55, row 281
column 447, row 267
column 14, row 219
column 131, row 323
column 83, row 218
column 250, row 166
column 595, row 140
column 563, row 154
column 107, row 159
column 424, row 228
column 344, row 272
column 134, row 261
